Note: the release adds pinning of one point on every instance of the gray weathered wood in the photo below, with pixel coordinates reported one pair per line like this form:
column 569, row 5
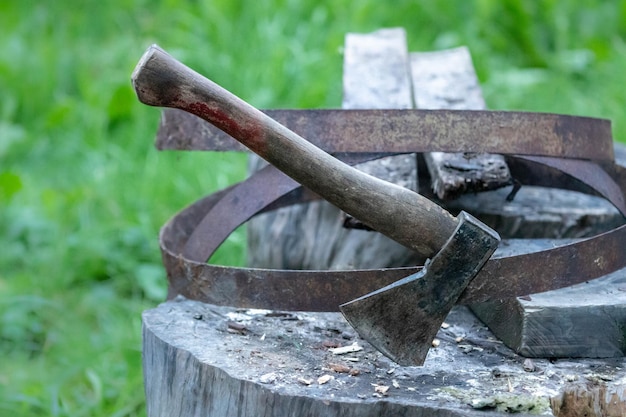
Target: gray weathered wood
column 538, row 213
column 311, row 236
column 447, row 80
column 210, row 361
column 585, row 320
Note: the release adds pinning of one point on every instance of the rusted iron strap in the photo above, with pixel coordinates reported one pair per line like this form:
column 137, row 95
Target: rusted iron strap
column 409, row 130
column 571, row 174
column 502, row 277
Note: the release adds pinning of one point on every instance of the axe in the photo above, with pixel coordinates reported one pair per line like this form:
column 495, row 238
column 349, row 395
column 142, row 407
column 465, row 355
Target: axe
column 401, row 319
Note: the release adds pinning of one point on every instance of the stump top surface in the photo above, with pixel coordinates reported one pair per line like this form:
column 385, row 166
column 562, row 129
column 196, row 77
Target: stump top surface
column 289, row 353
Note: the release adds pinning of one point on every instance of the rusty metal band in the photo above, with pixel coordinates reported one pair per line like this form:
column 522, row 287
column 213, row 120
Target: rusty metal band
column 502, row 277
column 412, row 130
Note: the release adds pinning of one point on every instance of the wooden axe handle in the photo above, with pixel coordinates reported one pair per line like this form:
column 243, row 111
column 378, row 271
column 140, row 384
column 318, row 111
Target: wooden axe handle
column 399, row 213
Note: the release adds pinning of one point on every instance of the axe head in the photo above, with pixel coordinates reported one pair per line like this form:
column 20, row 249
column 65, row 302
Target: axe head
column 402, row 319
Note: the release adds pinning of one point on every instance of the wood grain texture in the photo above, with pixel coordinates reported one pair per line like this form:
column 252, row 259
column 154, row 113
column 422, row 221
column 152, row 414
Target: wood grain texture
column 590, row 399
column 540, row 213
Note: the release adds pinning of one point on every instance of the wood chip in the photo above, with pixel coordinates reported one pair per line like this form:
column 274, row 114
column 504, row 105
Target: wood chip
column 380, row 389
column 339, row 368
column 354, row 372
column 236, row 328
column 268, row 378
column 324, row 379
column 346, row 349
column 395, row 383
column 305, row 381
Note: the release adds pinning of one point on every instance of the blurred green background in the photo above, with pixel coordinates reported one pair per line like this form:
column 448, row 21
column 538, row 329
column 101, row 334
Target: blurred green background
column 83, row 192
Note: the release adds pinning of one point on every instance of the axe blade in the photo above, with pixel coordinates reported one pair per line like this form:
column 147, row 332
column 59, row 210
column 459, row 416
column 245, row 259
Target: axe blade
column 402, row 319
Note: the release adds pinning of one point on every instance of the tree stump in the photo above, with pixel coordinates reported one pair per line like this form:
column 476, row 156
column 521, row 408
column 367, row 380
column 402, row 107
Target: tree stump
column 211, row 361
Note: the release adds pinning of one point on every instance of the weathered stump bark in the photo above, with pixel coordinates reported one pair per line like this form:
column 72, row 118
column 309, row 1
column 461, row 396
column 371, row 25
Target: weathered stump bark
column 590, row 399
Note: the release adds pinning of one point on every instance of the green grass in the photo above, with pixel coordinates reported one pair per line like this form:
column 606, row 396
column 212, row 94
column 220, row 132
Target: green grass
column 83, row 192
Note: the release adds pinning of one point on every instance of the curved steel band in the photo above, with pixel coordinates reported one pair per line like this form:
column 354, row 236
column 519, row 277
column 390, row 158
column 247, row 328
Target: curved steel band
column 209, row 221
column 394, row 131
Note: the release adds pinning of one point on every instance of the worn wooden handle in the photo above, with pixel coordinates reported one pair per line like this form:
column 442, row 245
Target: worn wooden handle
column 399, row 213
